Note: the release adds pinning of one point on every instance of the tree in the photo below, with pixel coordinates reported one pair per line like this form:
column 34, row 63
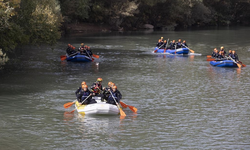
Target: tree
column 75, row 10
column 29, row 21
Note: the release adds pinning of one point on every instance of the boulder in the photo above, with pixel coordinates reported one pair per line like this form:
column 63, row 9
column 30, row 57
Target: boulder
column 148, row 26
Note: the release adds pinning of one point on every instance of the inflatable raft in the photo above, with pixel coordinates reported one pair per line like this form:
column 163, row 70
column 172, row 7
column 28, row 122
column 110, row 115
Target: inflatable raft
column 79, row 58
column 177, row 51
column 99, row 108
column 223, row 63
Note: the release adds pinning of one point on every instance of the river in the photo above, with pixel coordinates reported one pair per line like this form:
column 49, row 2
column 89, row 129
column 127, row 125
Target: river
column 182, row 101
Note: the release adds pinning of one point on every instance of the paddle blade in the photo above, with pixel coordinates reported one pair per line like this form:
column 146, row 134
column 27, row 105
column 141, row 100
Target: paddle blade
column 69, row 104
column 96, row 56
column 63, row 57
column 122, row 113
column 243, row 65
column 210, row 59
column 209, row 56
column 239, row 65
column 132, row 108
column 123, row 105
column 191, row 51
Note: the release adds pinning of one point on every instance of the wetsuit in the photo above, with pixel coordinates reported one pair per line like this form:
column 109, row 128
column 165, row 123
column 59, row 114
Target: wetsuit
column 106, row 93
column 235, row 57
column 159, row 44
column 184, row 44
column 117, row 95
column 89, row 100
column 215, row 55
column 172, row 45
column 68, row 50
column 229, row 55
column 89, row 52
column 178, row 45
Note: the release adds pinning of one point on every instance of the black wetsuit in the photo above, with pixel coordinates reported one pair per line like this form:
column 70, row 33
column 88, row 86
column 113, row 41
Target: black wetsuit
column 117, row 95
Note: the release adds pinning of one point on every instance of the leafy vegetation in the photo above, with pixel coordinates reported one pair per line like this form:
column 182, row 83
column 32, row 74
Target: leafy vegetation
column 39, row 21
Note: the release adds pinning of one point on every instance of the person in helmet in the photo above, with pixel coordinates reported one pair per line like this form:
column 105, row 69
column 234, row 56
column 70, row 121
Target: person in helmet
column 79, row 89
column 86, row 96
column 106, row 92
column 235, row 56
column 89, row 51
column 178, row 44
column 229, row 53
column 73, row 50
column 172, row 45
column 114, row 94
column 220, row 55
column 184, row 44
column 164, row 44
column 223, row 52
column 68, row 49
column 97, row 87
column 159, row 44
column 81, row 47
column 215, row 53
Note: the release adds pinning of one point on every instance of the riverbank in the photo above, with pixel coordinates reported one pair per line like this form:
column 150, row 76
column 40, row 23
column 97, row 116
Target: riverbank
column 85, row 27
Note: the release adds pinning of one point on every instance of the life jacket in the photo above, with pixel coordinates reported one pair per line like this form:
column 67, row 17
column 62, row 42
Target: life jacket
column 85, row 94
column 97, row 89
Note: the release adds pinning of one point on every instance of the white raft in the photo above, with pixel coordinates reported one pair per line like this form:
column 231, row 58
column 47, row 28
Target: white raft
column 99, row 108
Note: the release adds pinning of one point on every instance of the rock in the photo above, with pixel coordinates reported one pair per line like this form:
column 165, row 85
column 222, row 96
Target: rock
column 148, row 26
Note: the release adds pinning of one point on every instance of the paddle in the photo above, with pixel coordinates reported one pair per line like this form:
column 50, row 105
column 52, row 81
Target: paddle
column 239, row 65
column 210, row 59
column 69, row 104
column 132, row 108
column 86, row 99
column 63, row 57
column 209, row 56
column 122, row 113
column 96, row 56
column 242, row 64
column 166, row 46
column 89, row 55
column 175, row 48
column 70, row 112
column 189, row 49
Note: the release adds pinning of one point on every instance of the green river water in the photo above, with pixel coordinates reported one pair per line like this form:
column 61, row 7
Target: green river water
column 182, row 101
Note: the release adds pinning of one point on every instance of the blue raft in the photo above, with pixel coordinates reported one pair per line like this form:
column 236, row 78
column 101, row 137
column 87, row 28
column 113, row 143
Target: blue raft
column 79, row 58
column 169, row 51
column 223, row 63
